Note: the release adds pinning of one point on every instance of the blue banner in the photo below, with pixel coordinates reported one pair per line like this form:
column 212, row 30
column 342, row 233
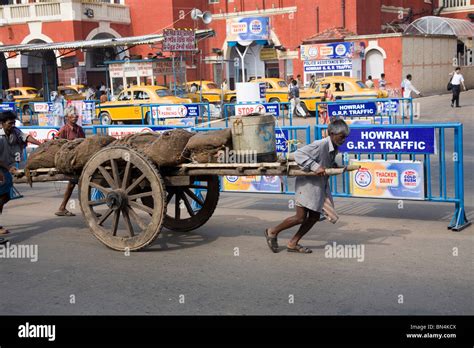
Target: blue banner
column 390, row 140
column 7, row 107
column 352, row 109
column 193, row 110
column 250, row 29
column 281, row 136
column 388, row 107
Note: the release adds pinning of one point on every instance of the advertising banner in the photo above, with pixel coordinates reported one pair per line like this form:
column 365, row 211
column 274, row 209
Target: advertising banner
column 388, row 179
column 245, row 109
column 248, row 29
column 178, row 40
column 340, row 65
column 352, row 109
column 269, row 184
column 397, row 139
column 175, row 111
column 334, row 50
column 86, row 111
column 190, row 122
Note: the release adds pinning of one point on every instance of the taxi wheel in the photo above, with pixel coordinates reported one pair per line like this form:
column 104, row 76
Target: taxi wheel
column 274, row 100
column 105, row 119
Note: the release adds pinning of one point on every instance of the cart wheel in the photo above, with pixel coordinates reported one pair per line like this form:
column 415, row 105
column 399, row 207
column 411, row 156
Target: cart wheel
column 190, row 206
column 120, row 220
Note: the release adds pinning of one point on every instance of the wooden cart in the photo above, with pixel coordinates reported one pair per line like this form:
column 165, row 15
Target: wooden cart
column 126, row 199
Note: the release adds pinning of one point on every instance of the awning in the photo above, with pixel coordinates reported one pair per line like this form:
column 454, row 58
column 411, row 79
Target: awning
column 100, row 43
column 432, row 25
column 247, row 43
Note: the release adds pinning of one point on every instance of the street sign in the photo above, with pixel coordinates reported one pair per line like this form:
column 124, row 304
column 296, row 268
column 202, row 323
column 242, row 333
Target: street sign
column 178, row 40
column 281, row 136
column 245, row 109
column 352, row 109
column 177, row 111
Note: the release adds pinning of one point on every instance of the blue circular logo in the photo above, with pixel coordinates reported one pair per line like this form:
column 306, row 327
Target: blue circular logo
column 363, row 178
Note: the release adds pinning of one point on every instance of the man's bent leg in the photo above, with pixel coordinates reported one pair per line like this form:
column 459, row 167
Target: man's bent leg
column 311, row 220
column 294, row 220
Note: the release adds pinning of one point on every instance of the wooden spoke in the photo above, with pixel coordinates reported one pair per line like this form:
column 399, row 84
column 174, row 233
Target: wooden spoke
column 115, row 172
column 99, row 187
column 135, row 183
column 97, row 202
column 105, row 217
column 136, row 218
column 107, row 177
column 177, row 208
column 126, row 175
column 115, row 222
column 188, row 205
column 141, row 207
column 169, row 196
column 140, row 195
column 194, row 196
column 128, row 223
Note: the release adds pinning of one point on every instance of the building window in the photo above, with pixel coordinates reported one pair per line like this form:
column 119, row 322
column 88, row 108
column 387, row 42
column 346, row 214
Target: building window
column 213, row 1
column 455, row 3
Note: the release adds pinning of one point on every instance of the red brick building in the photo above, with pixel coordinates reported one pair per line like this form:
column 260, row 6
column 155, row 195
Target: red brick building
column 291, row 22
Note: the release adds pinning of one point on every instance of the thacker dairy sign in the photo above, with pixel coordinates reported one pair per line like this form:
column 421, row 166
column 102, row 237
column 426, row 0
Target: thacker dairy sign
column 248, row 29
column 175, row 111
column 390, row 139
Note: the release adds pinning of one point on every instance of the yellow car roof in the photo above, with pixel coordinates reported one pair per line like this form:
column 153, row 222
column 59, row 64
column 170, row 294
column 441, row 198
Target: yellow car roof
column 21, row 88
column 153, row 88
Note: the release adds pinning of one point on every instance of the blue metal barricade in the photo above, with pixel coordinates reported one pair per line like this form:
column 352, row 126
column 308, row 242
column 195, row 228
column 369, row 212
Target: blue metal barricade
column 280, row 110
column 379, row 111
column 444, row 179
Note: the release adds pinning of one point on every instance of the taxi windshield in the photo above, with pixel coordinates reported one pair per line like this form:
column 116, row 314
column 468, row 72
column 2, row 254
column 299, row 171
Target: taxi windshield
column 163, row 92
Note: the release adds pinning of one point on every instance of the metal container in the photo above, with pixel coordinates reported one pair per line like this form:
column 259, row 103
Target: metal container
column 253, row 137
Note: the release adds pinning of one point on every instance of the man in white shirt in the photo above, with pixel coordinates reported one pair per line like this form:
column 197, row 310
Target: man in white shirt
column 369, row 83
column 456, row 80
column 408, row 88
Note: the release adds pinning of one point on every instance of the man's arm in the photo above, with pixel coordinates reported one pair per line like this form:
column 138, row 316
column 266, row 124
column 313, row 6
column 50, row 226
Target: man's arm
column 307, row 156
column 30, row 139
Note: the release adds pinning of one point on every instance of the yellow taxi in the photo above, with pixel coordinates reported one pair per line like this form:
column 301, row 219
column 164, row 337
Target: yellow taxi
column 23, row 96
column 127, row 106
column 211, row 93
column 70, row 93
column 81, row 89
column 345, row 88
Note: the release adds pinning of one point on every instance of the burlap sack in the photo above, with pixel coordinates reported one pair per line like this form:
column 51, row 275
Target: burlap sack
column 139, row 141
column 43, row 156
column 88, row 148
column 169, row 149
column 204, row 146
column 65, row 158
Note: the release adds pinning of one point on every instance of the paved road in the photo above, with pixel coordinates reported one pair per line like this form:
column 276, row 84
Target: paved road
column 408, row 257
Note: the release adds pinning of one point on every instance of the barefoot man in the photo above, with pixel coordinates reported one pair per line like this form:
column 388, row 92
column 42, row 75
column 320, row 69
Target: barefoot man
column 311, row 191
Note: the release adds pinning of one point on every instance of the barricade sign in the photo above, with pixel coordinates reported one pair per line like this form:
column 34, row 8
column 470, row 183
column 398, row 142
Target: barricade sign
column 187, row 121
column 245, row 109
column 175, row 111
column 266, row 184
column 388, row 179
column 421, row 167
column 352, row 109
column 40, row 134
column 85, row 109
column 390, row 139
column 42, row 107
column 7, row 107
column 120, row 132
column 281, row 136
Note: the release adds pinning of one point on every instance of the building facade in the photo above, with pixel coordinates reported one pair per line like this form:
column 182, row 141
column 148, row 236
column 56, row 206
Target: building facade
column 290, row 24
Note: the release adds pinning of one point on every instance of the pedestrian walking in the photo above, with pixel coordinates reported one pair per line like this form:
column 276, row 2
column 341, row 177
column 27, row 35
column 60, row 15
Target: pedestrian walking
column 456, row 81
column 57, row 109
column 70, row 131
column 295, row 101
column 313, row 194
column 408, row 89
column 12, row 144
